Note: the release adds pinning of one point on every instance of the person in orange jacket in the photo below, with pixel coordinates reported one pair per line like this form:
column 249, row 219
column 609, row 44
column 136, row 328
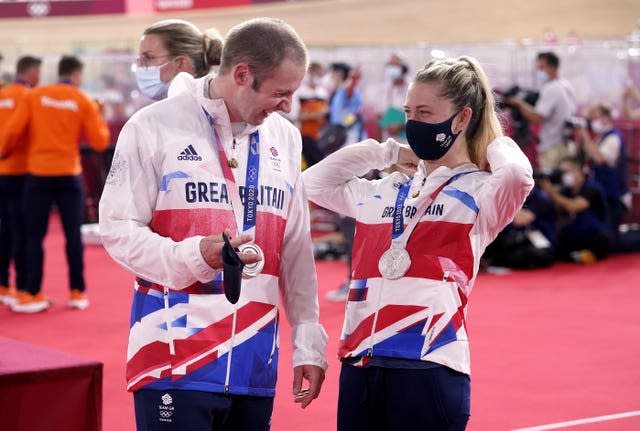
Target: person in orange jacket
column 55, row 117
column 13, row 170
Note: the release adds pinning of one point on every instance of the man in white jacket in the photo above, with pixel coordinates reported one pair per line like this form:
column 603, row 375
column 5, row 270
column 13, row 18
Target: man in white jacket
column 211, row 160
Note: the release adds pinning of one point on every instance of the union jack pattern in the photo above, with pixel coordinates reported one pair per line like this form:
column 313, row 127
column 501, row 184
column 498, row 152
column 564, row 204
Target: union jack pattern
column 172, row 192
column 421, row 315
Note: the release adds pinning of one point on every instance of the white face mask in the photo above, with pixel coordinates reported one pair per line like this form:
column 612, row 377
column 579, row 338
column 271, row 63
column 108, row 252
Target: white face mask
column 393, row 72
column 568, row 179
column 316, row 81
column 149, row 82
column 598, row 127
column 543, row 77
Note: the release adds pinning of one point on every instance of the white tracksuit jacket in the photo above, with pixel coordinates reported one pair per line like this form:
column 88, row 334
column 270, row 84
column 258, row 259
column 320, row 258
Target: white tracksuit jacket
column 420, row 316
column 164, row 193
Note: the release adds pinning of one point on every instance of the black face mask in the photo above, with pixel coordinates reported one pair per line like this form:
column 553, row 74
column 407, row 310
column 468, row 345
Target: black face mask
column 430, row 141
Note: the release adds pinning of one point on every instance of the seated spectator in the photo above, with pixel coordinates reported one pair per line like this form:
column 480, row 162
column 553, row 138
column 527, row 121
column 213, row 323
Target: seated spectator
column 583, row 235
column 608, row 161
column 530, row 240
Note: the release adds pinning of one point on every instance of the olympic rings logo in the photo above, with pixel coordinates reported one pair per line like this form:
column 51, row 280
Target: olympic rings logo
column 252, row 173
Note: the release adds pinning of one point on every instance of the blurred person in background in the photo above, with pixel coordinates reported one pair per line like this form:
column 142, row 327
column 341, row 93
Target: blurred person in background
column 54, row 117
column 607, row 155
column 313, row 98
column 13, row 170
column 530, row 240
column 583, row 234
column 2, row 83
column 606, row 152
column 346, row 104
column 191, row 162
column 419, row 239
column 392, row 119
column 345, row 127
column 554, row 106
column 172, row 46
column 334, row 134
column 630, row 95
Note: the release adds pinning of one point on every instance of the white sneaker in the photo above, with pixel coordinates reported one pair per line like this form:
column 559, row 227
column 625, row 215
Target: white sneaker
column 7, row 295
column 340, row 294
column 27, row 303
column 78, row 300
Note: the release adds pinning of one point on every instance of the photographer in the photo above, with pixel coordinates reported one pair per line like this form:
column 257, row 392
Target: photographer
column 529, row 241
column 516, row 124
column 608, row 160
column 604, row 146
column 555, row 104
column 582, row 231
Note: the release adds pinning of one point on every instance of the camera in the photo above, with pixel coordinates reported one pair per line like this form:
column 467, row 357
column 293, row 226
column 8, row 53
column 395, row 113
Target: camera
column 553, row 175
column 521, row 133
column 577, row 123
column 529, row 96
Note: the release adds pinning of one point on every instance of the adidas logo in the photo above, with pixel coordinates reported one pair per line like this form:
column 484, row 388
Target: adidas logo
column 189, row 153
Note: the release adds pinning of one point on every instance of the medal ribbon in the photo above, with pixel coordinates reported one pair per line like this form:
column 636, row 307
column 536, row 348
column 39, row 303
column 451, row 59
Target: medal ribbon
column 248, row 223
column 399, row 233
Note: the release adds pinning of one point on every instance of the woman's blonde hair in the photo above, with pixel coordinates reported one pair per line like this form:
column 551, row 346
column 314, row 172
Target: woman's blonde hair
column 184, row 38
column 463, row 81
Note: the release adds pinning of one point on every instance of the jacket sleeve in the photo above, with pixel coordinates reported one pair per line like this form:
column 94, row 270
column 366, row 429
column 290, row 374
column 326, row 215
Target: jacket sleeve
column 126, row 209
column 16, row 126
column 95, row 127
column 333, row 183
column 299, row 285
column 506, row 189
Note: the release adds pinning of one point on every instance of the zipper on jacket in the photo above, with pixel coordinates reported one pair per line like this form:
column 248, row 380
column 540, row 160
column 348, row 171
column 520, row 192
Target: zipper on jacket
column 375, row 319
column 445, row 276
column 172, row 349
column 233, row 335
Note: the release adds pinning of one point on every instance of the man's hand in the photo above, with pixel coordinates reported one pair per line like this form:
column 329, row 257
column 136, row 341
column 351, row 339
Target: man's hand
column 407, row 160
column 513, row 102
column 315, row 376
column 211, row 249
column 546, row 185
column 523, row 218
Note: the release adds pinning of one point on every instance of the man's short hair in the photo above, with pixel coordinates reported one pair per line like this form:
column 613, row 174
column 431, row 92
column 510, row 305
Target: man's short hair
column 342, row 68
column 550, row 58
column 69, row 64
column 603, row 109
column 263, row 44
column 27, row 62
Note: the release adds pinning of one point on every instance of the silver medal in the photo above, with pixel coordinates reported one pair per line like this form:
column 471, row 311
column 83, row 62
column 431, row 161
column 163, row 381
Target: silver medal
column 394, row 263
column 253, row 269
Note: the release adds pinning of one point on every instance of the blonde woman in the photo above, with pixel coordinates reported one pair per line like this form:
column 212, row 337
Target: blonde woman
column 418, row 242
column 172, row 46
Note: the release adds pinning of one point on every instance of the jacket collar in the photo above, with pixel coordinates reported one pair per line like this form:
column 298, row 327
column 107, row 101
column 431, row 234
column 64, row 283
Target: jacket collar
column 216, row 107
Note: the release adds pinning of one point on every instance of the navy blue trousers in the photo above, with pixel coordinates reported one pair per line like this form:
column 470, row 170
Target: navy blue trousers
column 200, row 411
column 12, row 233
column 397, row 399
column 67, row 193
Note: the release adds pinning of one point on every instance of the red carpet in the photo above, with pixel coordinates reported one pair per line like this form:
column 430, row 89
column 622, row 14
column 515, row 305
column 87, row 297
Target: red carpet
column 548, row 346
